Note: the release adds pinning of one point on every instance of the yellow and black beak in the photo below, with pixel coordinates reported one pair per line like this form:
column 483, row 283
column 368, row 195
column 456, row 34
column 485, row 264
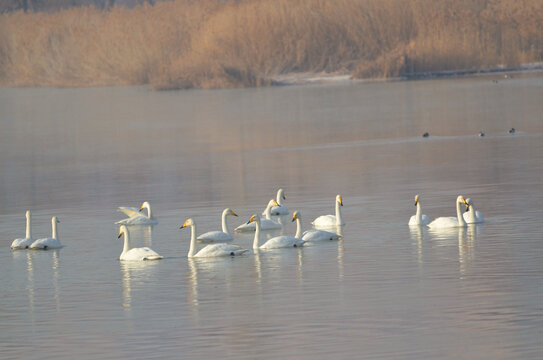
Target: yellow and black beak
column 340, row 201
column 284, row 197
column 141, row 209
column 184, row 225
column 233, row 213
column 275, row 203
column 120, row 234
column 467, row 207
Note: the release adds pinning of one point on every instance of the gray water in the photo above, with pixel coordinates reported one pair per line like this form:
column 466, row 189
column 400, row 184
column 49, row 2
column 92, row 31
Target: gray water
column 383, row 292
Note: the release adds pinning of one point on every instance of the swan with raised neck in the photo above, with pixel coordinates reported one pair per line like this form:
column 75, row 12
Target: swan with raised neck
column 331, row 220
column 49, row 243
column 219, row 236
column 265, row 224
column 136, row 254
column 447, row 222
column 278, row 241
column 211, row 250
column 419, row 218
column 21, row 243
column 472, row 215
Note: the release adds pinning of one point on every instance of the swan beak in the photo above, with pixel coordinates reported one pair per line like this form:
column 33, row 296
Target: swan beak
column 284, row 197
column 251, row 219
column 340, row 201
column 184, row 225
column 120, row 234
column 233, row 213
column 467, row 207
column 294, row 218
column 416, row 202
column 141, row 209
column 275, row 203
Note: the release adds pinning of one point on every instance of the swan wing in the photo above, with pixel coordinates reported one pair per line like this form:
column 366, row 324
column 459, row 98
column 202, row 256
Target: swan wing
column 325, row 221
column 139, row 254
column 45, row 244
column 216, row 250
column 129, row 211
column 319, row 235
column 19, row 244
column 282, row 242
column 215, row 236
column 265, row 224
column 278, row 210
column 443, row 222
column 138, row 220
column 425, row 220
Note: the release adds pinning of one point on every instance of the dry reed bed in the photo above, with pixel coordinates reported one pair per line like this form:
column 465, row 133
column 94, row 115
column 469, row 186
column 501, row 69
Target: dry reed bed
column 213, row 44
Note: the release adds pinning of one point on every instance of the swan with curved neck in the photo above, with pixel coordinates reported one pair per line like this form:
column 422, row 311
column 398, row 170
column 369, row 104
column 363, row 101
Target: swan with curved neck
column 448, row 222
column 135, row 217
column 419, row 218
column 211, row 250
column 280, row 208
column 219, row 236
column 135, row 254
column 265, row 224
column 326, row 221
column 24, row 243
column 49, row 243
column 278, row 241
column 472, row 215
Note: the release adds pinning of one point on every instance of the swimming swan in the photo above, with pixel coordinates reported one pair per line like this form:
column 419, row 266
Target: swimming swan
column 314, row 234
column 326, row 221
column 448, row 222
column 419, row 218
column 265, row 224
column 219, row 236
column 472, row 215
column 48, row 243
column 278, row 241
column 212, row 250
column 135, row 254
column 279, row 209
column 135, row 217
column 19, row 244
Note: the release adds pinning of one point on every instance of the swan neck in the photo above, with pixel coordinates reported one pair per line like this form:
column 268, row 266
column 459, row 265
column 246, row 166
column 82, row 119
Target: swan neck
column 54, row 233
column 148, row 207
column 126, row 245
column 192, row 247
column 28, row 226
column 267, row 213
column 339, row 220
column 224, row 225
column 418, row 215
column 461, row 221
column 256, row 241
column 279, row 197
column 298, row 228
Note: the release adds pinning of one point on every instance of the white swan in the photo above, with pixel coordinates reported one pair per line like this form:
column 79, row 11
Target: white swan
column 219, row 236
column 419, row 218
column 48, row 243
column 212, row 250
column 19, row 244
column 278, row 241
column 265, row 224
column 317, row 235
column 279, row 209
column 135, row 217
column 326, row 221
column 135, row 254
column 448, row 222
column 472, row 215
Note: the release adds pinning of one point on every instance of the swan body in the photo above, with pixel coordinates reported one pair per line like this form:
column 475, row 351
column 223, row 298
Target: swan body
column 219, row 236
column 326, row 221
column 280, row 208
column 48, row 243
column 135, row 254
column 278, row 241
column 135, row 217
column 265, row 224
column 211, row 250
column 24, row 243
column 319, row 235
column 419, row 218
column 472, row 215
column 448, row 222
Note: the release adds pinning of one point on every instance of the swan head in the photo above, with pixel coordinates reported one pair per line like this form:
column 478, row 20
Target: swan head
column 339, row 200
column 281, row 194
column 416, row 199
column 272, row 203
column 296, row 215
column 55, row 220
column 187, row 223
column 468, row 203
column 145, row 205
column 229, row 211
column 28, row 214
column 122, row 230
column 254, row 218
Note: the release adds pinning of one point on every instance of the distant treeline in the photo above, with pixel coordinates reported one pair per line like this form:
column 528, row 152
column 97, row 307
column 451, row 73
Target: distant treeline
column 217, row 43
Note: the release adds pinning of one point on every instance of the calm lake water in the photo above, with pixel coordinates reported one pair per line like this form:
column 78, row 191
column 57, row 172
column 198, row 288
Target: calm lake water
column 383, row 292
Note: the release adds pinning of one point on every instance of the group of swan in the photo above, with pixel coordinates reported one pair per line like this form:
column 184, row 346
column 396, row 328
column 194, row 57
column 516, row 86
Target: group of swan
column 219, row 239
column 39, row 244
column 471, row 216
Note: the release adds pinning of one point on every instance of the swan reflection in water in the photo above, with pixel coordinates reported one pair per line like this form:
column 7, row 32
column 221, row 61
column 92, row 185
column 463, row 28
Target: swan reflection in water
column 133, row 274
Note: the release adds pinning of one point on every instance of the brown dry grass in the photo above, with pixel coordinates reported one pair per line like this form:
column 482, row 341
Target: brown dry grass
column 212, row 44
